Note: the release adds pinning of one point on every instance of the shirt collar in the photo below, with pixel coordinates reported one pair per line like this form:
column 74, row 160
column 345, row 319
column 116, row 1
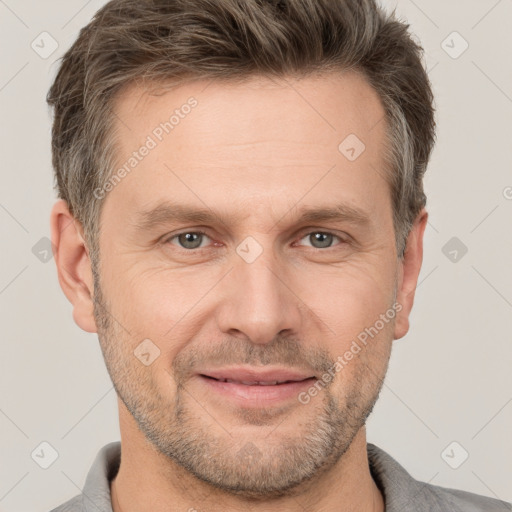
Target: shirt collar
column 401, row 492
column 96, row 492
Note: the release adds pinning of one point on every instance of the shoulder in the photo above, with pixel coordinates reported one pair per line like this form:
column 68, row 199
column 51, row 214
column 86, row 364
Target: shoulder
column 463, row 501
column 73, row 505
column 96, row 491
column 402, row 492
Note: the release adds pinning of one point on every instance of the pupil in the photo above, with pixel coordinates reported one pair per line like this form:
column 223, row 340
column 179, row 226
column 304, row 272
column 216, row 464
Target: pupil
column 190, row 238
column 323, row 238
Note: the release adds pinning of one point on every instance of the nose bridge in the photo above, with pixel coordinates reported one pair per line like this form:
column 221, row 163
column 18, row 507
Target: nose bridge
column 258, row 302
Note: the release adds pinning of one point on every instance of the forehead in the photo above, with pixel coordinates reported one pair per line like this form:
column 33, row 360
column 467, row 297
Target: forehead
column 335, row 104
column 258, row 139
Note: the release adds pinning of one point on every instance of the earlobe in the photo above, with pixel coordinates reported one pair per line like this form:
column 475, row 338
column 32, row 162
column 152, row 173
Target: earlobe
column 73, row 264
column 408, row 272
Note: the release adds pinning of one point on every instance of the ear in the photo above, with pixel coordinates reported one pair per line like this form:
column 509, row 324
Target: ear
column 408, row 271
column 73, row 264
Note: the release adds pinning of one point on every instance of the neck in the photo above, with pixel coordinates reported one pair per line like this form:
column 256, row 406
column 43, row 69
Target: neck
column 149, row 481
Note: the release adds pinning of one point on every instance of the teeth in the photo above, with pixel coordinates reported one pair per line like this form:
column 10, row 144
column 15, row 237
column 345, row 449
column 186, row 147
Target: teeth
column 253, row 382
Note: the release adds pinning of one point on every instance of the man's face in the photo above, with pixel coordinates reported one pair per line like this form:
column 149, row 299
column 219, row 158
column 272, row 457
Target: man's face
column 260, row 296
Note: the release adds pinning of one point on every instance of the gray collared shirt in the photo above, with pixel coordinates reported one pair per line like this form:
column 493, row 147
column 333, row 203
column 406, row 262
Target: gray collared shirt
column 401, row 492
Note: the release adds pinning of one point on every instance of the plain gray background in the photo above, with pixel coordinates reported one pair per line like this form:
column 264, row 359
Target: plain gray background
column 450, row 378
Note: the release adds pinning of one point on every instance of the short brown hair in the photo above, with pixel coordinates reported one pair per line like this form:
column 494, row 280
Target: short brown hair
column 162, row 40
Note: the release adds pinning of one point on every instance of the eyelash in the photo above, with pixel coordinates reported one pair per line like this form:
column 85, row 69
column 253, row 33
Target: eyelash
column 203, row 233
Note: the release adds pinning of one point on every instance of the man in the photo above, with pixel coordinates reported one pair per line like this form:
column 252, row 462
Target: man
column 241, row 221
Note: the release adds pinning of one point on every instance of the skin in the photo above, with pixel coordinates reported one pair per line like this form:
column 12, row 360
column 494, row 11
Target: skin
column 254, row 153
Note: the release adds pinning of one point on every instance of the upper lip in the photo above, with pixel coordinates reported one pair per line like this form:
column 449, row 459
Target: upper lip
column 254, row 375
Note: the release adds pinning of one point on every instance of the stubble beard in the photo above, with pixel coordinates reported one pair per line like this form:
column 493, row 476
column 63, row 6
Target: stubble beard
column 272, row 467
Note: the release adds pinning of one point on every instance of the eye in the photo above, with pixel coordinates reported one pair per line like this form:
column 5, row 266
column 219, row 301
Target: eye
column 188, row 240
column 321, row 239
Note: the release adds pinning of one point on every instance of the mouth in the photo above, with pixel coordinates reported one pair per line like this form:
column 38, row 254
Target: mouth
column 252, row 375
column 256, row 383
column 251, row 387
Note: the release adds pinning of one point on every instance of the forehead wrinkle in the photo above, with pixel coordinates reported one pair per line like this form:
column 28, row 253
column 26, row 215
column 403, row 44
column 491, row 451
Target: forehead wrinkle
column 167, row 211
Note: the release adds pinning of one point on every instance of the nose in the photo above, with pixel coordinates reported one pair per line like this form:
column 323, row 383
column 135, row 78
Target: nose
column 258, row 302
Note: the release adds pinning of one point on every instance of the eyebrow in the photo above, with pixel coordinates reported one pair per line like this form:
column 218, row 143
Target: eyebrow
column 167, row 212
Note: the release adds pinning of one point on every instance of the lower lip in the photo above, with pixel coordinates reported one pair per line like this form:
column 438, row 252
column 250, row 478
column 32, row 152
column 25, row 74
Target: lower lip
column 258, row 395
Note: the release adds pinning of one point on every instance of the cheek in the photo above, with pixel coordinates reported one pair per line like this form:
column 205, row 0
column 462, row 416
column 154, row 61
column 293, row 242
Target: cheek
column 155, row 299
column 169, row 306
column 356, row 308
column 162, row 306
column 349, row 299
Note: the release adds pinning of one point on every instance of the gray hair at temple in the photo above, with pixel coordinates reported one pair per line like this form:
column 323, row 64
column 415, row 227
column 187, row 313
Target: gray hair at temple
column 168, row 41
